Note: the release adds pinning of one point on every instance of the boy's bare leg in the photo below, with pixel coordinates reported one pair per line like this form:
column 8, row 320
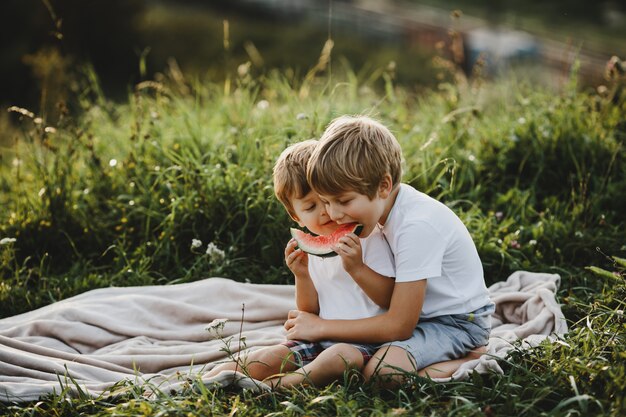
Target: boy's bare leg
column 447, row 368
column 260, row 364
column 326, row 368
column 389, row 366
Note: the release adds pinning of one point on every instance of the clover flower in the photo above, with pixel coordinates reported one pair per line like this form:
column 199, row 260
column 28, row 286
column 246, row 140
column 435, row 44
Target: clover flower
column 195, row 243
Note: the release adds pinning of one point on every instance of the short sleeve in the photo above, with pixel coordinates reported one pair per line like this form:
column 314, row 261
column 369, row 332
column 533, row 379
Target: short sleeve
column 419, row 252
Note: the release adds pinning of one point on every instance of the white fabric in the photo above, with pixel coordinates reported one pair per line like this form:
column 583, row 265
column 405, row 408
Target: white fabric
column 430, row 242
column 340, row 297
column 156, row 335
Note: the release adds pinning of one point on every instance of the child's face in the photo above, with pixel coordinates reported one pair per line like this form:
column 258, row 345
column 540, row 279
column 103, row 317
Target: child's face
column 350, row 207
column 309, row 212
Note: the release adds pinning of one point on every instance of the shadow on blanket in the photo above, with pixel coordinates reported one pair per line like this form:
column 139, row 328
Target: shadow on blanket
column 155, row 333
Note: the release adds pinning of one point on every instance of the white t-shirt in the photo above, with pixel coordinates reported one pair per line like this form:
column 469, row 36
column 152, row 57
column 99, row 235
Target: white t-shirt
column 430, row 242
column 340, row 297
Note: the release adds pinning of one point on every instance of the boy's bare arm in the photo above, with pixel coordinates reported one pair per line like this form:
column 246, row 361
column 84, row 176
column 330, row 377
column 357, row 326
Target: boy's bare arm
column 397, row 323
column 306, row 295
column 378, row 288
column 298, row 263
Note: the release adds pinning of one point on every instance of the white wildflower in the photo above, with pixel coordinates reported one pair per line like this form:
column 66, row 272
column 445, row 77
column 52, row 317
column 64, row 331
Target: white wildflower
column 7, row 240
column 302, row 116
column 113, row 162
column 216, row 326
column 263, row 105
column 21, row 111
column 195, row 243
column 215, row 253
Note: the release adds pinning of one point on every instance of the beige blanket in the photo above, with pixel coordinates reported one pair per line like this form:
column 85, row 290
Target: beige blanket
column 157, row 334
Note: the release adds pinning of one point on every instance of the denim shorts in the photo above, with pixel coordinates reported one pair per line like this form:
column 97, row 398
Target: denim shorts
column 306, row 352
column 448, row 337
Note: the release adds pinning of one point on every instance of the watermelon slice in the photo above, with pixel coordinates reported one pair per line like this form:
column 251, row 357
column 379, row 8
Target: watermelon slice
column 322, row 245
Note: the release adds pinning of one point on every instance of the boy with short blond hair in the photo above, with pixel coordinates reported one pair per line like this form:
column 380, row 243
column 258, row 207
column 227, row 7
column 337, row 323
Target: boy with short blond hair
column 356, row 284
column 440, row 308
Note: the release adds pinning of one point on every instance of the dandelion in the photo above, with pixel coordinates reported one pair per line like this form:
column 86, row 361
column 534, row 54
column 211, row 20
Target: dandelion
column 195, row 243
column 7, row 240
column 215, row 253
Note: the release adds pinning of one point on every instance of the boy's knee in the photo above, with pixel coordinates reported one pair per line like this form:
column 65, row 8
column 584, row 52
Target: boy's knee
column 344, row 355
column 389, row 367
column 271, row 357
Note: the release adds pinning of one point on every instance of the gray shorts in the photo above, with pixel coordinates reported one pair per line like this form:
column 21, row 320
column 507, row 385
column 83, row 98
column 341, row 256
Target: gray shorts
column 447, row 337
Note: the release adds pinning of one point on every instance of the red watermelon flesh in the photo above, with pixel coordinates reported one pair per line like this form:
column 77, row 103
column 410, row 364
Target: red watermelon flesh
column 322, row 245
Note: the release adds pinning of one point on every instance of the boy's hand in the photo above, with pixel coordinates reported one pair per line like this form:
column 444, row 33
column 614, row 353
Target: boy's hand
column 351, row 253
column 297, row 261
column 301, row 325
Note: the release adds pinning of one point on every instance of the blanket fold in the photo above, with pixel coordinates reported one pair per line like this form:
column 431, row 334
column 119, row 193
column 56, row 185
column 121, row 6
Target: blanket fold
column 155, row 333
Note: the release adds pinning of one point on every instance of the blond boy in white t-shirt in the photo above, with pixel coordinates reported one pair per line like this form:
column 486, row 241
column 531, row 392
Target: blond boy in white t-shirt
column 440, row 309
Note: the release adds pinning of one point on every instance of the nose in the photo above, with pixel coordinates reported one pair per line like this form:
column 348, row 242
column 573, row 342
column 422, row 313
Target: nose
column 333, row 213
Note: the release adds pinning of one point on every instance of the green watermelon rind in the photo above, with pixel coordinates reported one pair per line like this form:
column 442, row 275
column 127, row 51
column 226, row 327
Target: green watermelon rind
column 324, row 252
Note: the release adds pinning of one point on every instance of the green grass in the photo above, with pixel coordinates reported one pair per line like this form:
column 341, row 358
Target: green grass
column 115, row 195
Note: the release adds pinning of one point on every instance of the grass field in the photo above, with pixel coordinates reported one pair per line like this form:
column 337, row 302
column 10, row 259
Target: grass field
column 115, row 196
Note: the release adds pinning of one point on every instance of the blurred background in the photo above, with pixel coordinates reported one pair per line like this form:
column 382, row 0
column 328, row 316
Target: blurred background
column 49, row 46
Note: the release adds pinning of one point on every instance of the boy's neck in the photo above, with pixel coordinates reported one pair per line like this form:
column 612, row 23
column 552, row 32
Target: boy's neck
column 390, row 201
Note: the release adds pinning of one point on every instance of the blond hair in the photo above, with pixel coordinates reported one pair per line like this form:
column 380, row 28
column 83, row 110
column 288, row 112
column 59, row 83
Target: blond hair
column 290, row 173
column 354, row 154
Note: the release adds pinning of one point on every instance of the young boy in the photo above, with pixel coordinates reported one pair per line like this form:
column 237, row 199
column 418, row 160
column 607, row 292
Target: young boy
column 440, row 308
column 354, row 285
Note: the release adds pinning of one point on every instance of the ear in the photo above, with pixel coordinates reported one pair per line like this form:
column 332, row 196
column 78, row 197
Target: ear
column 385, row 186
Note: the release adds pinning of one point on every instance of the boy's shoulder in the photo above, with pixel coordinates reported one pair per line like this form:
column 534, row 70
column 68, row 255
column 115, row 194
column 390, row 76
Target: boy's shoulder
column 414, row 207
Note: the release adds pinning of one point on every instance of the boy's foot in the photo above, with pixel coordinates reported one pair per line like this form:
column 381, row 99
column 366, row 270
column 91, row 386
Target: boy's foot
column 237, row 379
